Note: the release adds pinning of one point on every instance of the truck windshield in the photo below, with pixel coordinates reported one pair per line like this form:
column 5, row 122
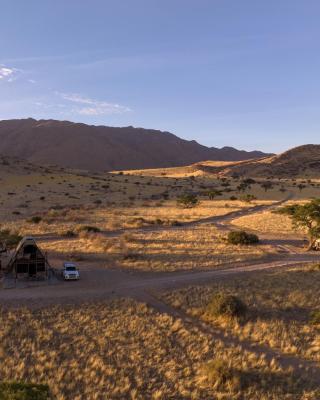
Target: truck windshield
column 71, row 268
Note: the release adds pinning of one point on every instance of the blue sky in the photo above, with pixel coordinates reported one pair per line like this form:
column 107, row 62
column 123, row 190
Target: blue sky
column 222, row 72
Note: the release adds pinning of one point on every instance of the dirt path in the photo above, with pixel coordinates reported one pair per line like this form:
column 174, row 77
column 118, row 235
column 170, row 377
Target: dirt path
column 103, row 283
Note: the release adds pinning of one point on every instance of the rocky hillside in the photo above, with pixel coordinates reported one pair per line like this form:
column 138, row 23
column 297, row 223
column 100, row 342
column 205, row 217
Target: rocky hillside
column 302, row 161
column 101, row 148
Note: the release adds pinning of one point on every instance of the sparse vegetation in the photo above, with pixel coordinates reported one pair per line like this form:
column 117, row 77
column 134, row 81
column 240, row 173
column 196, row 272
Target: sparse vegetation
column 305, row 216
column 221, row 376
column 282, row 309
column 36, row 219
column 187, row 201
column 88, row 229
column 267, row 185
column 242, row 238
column 226, row 305
column 124, row 348
column 248, row 198
column 11, row 239
column 315, row 317
column 23, row 391
column 212, row 194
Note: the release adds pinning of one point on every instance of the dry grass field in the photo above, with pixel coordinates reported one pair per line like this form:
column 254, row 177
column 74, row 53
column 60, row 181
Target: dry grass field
column 266, row 222
column 123, row 350
column 280, row 308
column 196, row 248
column 122, row 216
column 123, row 199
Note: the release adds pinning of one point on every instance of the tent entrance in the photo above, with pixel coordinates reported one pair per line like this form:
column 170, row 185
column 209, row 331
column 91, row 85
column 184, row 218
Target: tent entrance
column 32, row 269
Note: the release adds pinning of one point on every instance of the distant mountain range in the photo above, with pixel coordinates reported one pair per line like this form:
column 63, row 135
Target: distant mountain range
column 102, row 148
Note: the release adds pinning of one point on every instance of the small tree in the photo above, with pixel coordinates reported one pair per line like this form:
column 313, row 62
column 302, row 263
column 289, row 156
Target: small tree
column 187, row 201
column 248, row 198
column 249, row 181
column 242, row 187
column 301, row 186
column 213, row 193
column 266, row 185
column 305, row 216
column 35, row 219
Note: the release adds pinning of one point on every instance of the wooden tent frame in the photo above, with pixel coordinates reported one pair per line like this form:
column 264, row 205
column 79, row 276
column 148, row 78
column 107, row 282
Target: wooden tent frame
column 28, row 260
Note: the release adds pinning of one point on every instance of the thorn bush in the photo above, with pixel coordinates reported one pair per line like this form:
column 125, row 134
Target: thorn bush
column 242, row 237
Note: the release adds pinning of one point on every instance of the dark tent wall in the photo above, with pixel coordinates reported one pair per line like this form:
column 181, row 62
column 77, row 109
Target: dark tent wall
column 28, row 261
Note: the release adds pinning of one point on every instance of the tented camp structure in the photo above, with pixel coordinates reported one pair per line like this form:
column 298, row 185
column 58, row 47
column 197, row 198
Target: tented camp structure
column 28, row 261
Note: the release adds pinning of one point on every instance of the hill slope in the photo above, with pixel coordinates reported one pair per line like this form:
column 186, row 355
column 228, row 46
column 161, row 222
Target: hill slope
column 302, row 161
column 98, row 148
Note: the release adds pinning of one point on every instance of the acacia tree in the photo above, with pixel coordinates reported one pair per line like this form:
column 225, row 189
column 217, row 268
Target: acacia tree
column 213, row 193
column 248, row 198
column 306, row 216
column 266, row 185
column 242, row 187
column 301, row 186
column 187, row 201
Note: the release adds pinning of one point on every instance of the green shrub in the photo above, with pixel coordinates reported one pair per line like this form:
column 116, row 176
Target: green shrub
column 69, row 234
column 248, row 198
column 315, row 317
column 35, row 219
column 242, row 237
column 187, row 201
column 89, row 229
column 23, row 391
column 226, row 305
column 213, row 193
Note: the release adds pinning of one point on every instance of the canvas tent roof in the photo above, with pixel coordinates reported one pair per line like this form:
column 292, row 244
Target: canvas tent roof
column 26, row 241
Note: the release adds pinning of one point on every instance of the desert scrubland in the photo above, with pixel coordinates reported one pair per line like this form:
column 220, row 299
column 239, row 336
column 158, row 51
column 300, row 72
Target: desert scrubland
column 124, row 346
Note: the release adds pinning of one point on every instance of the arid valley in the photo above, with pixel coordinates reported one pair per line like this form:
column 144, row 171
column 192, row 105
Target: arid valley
column 138, row 322
column 159, row 200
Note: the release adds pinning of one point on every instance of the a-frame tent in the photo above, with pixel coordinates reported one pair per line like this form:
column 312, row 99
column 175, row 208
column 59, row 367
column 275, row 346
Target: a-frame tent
column 28, row 260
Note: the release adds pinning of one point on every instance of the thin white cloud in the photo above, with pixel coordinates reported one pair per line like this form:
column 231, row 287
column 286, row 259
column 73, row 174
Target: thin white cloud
column 92, row 106
column 7, row 73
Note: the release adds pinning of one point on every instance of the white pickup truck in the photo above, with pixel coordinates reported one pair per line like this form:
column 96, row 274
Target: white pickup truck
column 70, row 272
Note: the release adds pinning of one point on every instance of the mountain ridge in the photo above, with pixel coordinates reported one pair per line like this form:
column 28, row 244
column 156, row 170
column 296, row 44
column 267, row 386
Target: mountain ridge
column 101, row 148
